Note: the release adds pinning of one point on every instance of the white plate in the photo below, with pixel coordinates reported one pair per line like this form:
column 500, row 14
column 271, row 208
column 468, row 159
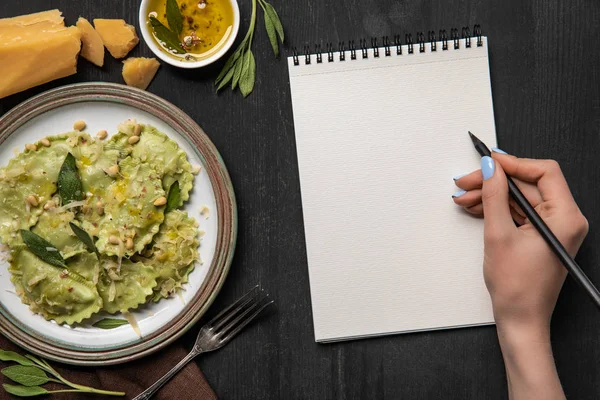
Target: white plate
column 152, row 318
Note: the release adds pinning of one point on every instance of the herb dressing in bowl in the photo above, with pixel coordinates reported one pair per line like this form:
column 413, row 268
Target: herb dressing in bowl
column 189, row 33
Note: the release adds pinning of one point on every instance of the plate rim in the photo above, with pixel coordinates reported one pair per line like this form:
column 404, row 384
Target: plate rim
column 227, row 229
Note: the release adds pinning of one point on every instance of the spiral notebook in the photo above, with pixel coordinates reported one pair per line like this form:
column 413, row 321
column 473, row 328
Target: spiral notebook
column 380, row 133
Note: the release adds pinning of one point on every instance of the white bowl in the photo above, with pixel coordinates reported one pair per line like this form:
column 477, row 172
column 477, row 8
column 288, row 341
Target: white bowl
column 160, row 53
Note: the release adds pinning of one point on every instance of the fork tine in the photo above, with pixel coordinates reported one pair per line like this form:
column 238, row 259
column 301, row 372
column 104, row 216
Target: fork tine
column 243, row 317
column 239, row 302
column 245, row 322
column 242, row 308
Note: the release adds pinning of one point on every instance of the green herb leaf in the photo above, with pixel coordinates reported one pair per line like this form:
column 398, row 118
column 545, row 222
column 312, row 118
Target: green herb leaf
column 24, row 391
column 26, row 375
column 110, row 323
column 270, row 27
column 230, row 63
column 245, row 64
column 174, row 197
column 240, row 68
column 69, row 182
column 42, row 248
column 167, row 37
column 237, row 73
column 85, row 238
column 226, row 79
column 174, row 17
column 12, row 356
column 248, row 78
column 270, row 11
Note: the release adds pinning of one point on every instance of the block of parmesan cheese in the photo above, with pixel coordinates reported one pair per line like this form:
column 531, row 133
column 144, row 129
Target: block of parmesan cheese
column 118, row 37
column 92, row 48
column 29, row 60
column 139, row 72
column 52, row 17
column 39, row 23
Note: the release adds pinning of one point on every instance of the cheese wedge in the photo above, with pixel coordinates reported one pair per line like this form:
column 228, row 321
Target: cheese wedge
column 139, row 72
column 30, row 60
column 118, row 37
column 92, row 48
column 53, row 17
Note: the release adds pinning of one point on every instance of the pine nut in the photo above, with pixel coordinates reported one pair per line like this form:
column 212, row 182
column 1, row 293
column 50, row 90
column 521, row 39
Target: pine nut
column 32, row 199
column 100, row 208
column 137, row 129
column 114, row 240
column 31, row 146
column 45, row 142
column 79, row 125
column 161, row 201
column 50, row 204
column 102, row 134
column 113, row 171
column 133, row 139
column 129, row 244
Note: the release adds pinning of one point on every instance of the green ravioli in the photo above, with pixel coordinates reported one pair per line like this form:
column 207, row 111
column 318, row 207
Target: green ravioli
column 55, row 293
column 129, row 210
column 174, row 252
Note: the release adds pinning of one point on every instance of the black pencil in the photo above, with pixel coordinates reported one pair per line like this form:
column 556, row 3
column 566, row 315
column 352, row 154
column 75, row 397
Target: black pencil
column 537, row 221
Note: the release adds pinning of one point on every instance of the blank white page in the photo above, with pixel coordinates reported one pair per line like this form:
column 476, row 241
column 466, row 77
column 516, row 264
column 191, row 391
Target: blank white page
column 378, row 141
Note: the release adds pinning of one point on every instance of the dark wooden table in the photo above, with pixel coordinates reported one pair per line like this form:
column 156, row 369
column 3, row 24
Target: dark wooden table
column 545, row 68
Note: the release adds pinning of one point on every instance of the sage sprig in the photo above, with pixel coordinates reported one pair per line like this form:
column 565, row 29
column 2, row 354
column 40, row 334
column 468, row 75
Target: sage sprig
column 42, row 248
column 174, row 197
column 69, row 182
column 240, row 68
column 85, row 238
column 272, row 25
column 110, row 323
column 31, row 372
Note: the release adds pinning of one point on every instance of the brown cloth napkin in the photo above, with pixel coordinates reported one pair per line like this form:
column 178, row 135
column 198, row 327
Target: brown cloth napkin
column 131, row 378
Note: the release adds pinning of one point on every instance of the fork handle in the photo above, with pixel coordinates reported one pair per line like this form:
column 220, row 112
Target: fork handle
column 146, row 394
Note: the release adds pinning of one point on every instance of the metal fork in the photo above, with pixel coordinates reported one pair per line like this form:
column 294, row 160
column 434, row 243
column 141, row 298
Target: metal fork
column 218, row 332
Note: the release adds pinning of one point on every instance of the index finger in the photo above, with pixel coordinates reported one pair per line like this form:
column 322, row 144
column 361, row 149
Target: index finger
column 545, row 173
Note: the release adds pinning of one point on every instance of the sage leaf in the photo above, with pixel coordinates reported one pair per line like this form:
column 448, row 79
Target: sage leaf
column 174, row 17
column 174, row 197
column 167, row 37
column 69, row 182
column 85, row 238
column 270, row 27
column 12, row 356
column 26, row 375
column 110, row 323
column 229, row 64
column 245, row 65
column 24, row 391
column 37, row 362
column 270, row 11
column 226, row 80
column 248, row 78
column 42, row 248
column 237, row 73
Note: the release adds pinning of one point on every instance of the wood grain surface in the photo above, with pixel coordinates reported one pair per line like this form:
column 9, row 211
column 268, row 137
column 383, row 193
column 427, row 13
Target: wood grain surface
column 545, row 69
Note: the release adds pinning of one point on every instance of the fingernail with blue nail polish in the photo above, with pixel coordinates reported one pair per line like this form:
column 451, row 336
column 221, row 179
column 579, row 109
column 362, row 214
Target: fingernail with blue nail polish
column 459, row 193
column 487, row 167
column 457, row 177
column 499, row 151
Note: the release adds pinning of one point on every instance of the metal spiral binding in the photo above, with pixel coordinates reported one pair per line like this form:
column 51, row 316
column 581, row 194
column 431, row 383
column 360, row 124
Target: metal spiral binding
column 388, row 45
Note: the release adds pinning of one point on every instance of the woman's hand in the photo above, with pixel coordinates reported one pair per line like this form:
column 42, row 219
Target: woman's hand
column 521, row 272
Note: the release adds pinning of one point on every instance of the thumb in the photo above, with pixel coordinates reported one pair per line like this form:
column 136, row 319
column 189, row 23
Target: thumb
column 498, row 222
